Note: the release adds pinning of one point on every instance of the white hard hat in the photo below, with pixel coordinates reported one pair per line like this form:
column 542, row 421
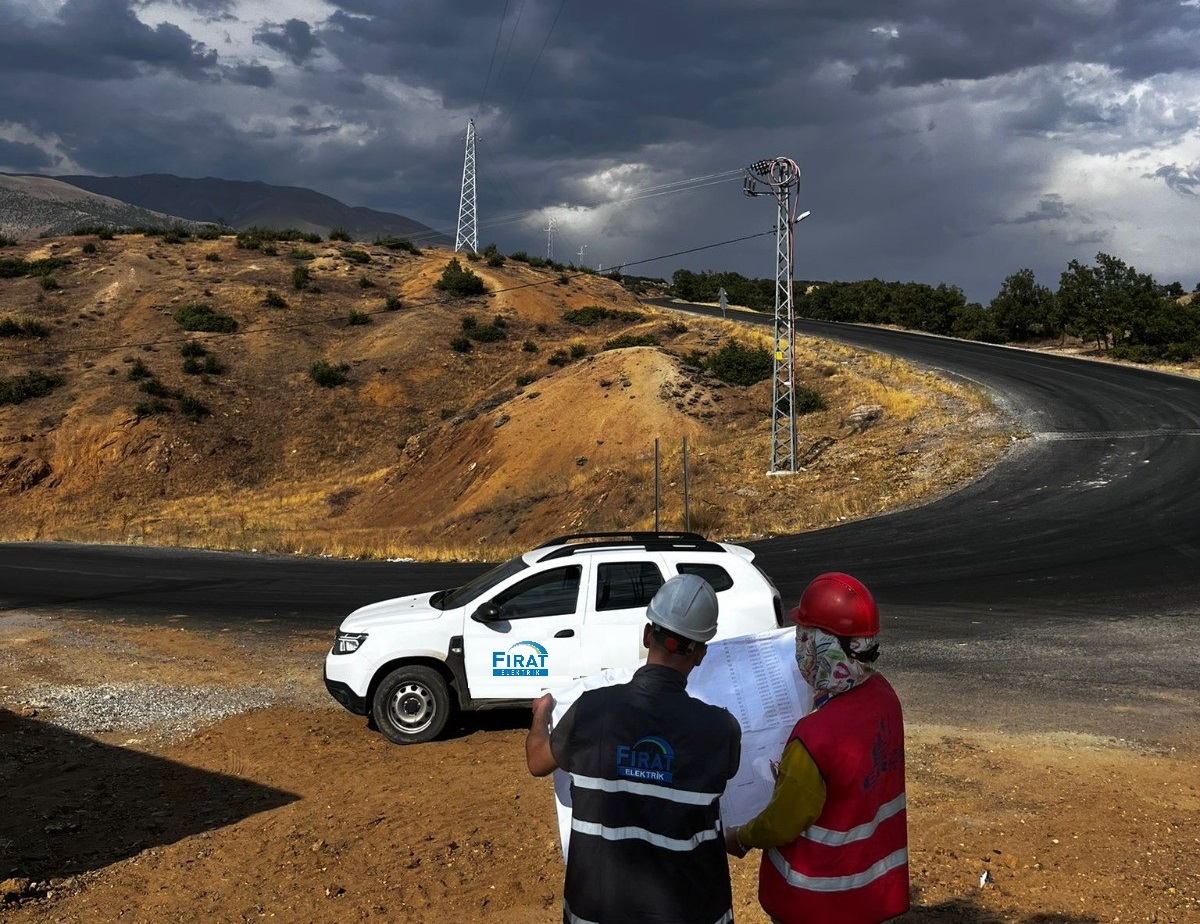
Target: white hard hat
column 687, row 606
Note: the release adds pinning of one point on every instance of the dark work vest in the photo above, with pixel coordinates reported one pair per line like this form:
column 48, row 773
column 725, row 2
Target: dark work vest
column 648, row 764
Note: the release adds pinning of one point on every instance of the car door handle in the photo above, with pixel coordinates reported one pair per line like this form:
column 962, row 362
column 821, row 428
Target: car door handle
column 565, row 633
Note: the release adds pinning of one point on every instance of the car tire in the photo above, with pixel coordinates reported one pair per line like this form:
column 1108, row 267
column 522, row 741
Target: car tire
column 411, row 705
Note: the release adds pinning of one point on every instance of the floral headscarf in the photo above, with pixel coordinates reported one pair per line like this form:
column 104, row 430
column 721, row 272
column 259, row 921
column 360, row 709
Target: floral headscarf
column 826, row 667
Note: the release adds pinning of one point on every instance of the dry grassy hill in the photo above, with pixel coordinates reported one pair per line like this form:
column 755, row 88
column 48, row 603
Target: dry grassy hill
column 423, row 450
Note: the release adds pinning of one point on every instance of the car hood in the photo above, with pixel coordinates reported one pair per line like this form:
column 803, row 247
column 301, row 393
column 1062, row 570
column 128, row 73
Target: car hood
column 413, row 608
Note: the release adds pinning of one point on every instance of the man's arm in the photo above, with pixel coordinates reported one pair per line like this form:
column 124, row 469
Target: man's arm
column 538, row 756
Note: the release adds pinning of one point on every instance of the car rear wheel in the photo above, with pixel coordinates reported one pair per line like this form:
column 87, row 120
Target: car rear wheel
column 412, row 704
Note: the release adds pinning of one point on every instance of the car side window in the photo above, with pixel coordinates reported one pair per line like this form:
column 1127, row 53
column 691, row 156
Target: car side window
column 717, row 576
column 623, row 585
column 550, row 593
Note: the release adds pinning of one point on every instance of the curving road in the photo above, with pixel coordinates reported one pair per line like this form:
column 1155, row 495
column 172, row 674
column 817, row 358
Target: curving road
column 1096, row 514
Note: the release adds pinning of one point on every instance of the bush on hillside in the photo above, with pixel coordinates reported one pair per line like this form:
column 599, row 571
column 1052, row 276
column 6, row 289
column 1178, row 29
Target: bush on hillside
column 327, row 374
column 460, row 281
column 631, row 340
column 594, row 314
column 201, row 317
column 18, row 388
column 737, row 364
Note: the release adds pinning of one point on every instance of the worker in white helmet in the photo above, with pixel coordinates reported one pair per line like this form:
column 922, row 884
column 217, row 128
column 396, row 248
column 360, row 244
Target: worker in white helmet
column 648, row 765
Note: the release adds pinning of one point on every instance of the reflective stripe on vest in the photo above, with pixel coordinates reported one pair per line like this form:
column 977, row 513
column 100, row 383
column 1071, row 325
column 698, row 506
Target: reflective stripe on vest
column 831, row 838
column 630, row 832
column 726, row 918
column 836, row 883
column 684, row 796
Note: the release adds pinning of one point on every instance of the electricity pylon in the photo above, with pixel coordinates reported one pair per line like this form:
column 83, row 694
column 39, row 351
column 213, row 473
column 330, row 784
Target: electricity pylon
column 550, row 225
column 780, row 178
column 468, row 235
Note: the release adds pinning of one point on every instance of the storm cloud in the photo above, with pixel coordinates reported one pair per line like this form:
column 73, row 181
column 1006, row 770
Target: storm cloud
column 940, row 141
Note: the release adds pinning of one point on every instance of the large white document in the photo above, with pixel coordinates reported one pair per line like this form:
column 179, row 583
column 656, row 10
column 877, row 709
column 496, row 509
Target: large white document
column 756, row 678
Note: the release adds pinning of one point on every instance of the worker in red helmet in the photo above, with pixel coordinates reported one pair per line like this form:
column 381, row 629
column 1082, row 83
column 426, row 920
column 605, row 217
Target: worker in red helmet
column 834, row 835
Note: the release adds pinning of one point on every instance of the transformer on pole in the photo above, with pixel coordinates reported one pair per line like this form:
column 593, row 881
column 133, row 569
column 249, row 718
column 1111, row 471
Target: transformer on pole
column 780, row 178
column 467, row 235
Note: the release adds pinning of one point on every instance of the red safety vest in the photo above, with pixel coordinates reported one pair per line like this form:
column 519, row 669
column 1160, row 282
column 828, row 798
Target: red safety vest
column 851, row 865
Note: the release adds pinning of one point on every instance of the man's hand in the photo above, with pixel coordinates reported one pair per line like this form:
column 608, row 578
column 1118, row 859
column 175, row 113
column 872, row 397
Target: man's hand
column 733, row 846
column 538, row 756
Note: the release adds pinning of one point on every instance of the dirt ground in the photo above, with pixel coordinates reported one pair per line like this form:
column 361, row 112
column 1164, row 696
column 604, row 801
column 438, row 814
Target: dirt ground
column 293, row 811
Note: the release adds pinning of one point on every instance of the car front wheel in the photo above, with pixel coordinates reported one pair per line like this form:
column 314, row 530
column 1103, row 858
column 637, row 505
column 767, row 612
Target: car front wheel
column 412, row 705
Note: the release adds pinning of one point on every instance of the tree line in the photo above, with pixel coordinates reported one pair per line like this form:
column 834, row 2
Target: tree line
column 1109, row 304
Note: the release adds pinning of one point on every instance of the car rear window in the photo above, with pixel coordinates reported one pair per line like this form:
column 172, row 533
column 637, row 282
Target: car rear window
column 717, row 576
column 623, row 585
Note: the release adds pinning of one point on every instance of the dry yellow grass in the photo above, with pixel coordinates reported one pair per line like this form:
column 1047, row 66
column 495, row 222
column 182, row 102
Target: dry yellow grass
column 429, row 453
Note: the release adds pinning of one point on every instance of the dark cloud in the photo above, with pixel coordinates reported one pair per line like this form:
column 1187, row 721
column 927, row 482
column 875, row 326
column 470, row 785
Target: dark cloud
column 1049, row 208
column 101, row 39
column 20, row 158
column 1184, row 180
column 211, row 10
column 294, row 39
column 253, row 75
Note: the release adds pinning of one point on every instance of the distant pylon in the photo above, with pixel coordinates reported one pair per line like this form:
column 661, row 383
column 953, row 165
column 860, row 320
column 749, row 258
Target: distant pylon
column 468, row 235
column 780, row 177
column 550, row 225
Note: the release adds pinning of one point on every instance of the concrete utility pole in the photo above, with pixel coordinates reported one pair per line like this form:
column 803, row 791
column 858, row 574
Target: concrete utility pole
column 468, row 234
column 781, row 178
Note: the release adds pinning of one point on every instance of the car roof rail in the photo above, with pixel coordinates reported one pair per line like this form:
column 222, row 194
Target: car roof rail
column 651, row 541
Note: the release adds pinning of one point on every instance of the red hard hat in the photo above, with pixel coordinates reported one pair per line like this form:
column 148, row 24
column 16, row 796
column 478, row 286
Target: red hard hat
column 839, row 604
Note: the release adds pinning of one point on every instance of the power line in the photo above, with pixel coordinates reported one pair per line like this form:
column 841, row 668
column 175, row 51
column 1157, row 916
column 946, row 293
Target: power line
column 529, row 76
column 272, row 328
column 495, row 46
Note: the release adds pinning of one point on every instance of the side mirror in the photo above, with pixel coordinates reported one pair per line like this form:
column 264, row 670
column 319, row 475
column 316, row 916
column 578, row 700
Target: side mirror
column 487, row 612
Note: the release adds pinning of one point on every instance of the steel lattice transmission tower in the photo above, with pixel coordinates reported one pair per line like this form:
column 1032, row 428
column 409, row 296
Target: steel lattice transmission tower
column 550, row 226
column 468, row 234
column 781, row 178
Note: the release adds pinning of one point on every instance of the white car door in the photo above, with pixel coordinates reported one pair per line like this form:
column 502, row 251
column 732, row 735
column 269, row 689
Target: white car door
column 523, row 638
column 621, row 586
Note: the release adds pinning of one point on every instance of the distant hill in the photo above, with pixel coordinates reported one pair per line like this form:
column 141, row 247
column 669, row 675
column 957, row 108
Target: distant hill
column 242, row 204
column 31, row 206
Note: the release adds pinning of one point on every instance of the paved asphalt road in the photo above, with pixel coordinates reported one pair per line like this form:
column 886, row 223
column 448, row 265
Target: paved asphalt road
column 1076, row 558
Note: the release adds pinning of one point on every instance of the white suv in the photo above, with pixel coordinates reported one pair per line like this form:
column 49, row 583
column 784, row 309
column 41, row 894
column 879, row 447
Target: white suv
column 568, row 609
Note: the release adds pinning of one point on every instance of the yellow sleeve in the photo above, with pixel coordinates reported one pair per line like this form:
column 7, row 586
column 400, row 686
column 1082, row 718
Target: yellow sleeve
column 797, row 801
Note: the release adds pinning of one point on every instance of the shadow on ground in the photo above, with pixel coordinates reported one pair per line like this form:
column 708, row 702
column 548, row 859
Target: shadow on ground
column 959, row 911
column 73, row 804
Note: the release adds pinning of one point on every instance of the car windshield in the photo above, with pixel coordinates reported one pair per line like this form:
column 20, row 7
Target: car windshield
column 461, row 596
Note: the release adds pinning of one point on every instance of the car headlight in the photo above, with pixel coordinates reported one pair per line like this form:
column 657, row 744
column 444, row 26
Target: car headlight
column 347, row 642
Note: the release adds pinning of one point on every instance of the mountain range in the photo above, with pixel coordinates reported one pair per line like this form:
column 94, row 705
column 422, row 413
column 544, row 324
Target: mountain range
column 34, row 205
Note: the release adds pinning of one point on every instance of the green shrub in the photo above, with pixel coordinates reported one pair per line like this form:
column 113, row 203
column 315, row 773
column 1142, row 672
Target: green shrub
column 301, row 277
column 358, row 318
column 6, row 241
column 460, row 345
column 500, row 321
column 393, row 303
column 138, row 370
column 151, row 407
column 18, row 388
column 254, row 238
column 520, row 256
column 300, row 253
column 201, row 317
column 677, row 327
column 357, row 256
column 340, row 234
column 496, row 259
column 175, row 236
column 193, row 348
column 473, row 257
column 268, row 250
column 105, row 234
column 207, row 232
column 89, row 247
column 737, row 364
column 274, row 300
column 525, row 378
column 460, row 281
column 212, row 257
column 594, row 314
column 23, row 328
column 48, row 283
column 529, row 346
column 213, row 366
column 562, row 280
column 536, row 262
column 468, row 322
column 578, row 350
column 327, row 374
column 193, row 408
column 559, row 358
column 487, row 333
column 808, row 400
column 365, row 283
column 152, row 386
column 192, row 366
column 631, row 340
column 448, row 412
column 397, row 243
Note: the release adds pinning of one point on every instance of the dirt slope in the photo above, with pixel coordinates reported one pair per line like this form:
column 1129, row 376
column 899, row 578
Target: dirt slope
column 423, row 450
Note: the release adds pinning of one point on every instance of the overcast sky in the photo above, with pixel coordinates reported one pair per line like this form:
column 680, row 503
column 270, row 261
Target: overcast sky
column 939, row 140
